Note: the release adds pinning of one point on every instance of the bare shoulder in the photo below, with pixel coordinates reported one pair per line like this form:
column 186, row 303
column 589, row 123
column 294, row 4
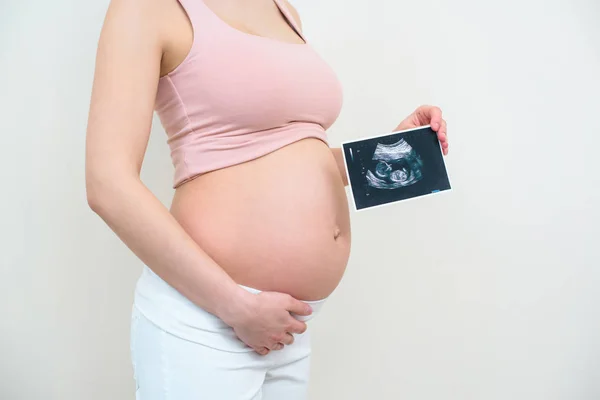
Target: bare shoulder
column 138, row 18
column 294, row 12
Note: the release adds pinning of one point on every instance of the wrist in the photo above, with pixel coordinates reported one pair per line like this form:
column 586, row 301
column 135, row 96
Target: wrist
column 236, row 306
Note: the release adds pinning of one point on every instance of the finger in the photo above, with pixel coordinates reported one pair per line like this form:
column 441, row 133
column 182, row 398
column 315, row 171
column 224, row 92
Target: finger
column 276, row 346
column 443, row 137
column 445, row 148
column 431, row 115
column 298, row 307
column 442, row 133
column 288, row 339
column 263, row 351
column 296, row 326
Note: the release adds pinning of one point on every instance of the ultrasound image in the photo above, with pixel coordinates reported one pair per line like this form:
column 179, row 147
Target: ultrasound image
column 394, row 167
column 398, row 165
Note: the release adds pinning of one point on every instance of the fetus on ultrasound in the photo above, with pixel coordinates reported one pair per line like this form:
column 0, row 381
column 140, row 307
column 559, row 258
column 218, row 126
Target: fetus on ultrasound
column 398, row 165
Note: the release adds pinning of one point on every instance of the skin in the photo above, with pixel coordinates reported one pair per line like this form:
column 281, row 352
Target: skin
column 142, row 40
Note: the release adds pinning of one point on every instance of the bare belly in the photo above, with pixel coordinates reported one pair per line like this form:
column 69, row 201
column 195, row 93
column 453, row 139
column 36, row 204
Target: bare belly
column 276, row 223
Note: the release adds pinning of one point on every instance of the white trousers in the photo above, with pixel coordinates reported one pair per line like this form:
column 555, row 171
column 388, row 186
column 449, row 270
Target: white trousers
column 182, row 352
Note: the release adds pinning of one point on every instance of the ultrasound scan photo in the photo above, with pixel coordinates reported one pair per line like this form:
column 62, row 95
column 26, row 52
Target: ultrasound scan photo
column 394, row 167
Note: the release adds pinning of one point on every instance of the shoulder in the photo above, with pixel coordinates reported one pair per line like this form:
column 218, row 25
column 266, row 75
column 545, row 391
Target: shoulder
column 144, row 18
column 143, row 9
column 294, row 12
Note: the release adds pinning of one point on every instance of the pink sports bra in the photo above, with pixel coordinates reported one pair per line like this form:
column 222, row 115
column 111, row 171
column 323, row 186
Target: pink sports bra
column 239, row 96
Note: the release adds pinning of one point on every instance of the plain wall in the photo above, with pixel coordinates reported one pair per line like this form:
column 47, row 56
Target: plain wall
column 488, row 292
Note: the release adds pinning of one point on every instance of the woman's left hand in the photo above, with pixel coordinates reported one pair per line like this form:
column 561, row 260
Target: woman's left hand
column 427, row 115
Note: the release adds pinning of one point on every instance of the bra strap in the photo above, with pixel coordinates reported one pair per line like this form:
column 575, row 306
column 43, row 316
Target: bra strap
column 290, row 19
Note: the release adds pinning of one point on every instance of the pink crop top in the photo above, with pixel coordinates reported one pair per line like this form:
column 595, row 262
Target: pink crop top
column 239, row 96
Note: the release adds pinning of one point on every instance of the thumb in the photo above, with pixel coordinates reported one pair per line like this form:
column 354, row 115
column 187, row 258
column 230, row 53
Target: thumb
column 299, row 307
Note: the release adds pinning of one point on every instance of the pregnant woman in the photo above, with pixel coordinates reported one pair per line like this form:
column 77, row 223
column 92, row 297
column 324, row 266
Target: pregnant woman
column 258, row 233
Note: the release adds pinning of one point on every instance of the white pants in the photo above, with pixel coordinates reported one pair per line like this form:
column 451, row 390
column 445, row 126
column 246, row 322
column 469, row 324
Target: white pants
column 182, row 352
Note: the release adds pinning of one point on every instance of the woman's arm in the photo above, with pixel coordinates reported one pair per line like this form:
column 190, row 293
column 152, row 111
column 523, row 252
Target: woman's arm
column 125, row 84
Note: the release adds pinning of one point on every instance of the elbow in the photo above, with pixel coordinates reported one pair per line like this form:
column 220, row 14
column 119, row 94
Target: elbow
column 101, row 189
column 107, row 183
column 105, row 189
column 93, row 194
column 93, row 203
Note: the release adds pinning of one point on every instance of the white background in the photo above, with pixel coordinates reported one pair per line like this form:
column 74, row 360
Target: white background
column 488, row 293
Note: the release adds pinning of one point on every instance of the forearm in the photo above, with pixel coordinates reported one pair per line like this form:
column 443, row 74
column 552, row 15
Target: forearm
column 145, row 225
column 339, row 159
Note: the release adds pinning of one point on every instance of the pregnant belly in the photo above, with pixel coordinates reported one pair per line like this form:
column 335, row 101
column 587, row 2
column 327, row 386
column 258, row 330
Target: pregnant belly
column 276, row 223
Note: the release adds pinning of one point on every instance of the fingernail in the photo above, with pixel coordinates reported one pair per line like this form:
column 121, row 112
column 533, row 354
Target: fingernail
column 309, row 309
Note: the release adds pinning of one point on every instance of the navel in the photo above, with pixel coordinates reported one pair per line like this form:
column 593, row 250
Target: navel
column 336, row 232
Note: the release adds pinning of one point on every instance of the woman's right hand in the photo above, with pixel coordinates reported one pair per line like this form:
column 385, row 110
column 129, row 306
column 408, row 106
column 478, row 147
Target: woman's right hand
column 263, row 321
